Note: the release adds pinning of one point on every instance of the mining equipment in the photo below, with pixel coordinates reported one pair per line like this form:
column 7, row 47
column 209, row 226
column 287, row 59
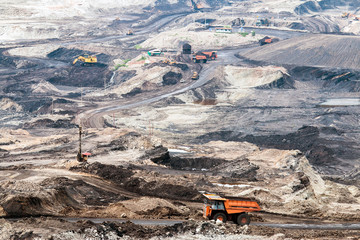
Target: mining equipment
column 197, row 6
column 345, row 15
column 169, row 61
column 262, row 22
column 130, row 32
column 267, row 40
column 86, row 59
column 82, row 157
column 223, row 209
column 212, row 55
column 203, row 57
column 199, row 58
column 195, row 76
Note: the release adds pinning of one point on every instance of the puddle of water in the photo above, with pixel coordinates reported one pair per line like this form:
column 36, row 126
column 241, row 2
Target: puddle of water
column 340, row 102
column 174, row 151
column 231, row 185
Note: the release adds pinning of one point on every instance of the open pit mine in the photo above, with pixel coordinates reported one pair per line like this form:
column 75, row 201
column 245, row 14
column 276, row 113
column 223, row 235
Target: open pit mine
column 179, row 119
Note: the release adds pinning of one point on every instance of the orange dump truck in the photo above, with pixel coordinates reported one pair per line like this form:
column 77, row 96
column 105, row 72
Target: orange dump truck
column 223, row 209
column 210, row 55
column 204, row 56
column 198, row 58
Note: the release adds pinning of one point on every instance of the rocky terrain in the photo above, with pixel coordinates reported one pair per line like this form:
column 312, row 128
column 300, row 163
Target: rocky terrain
column 276, row 123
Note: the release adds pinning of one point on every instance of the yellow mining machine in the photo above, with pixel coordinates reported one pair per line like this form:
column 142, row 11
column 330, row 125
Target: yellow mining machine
column 86, row 59
column 195, row 76
column 169, row 61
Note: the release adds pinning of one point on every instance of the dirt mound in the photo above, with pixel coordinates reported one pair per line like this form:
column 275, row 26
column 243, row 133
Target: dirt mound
column 160, row 155
column 232, row 171
column 192, row 163
column 311, row 50
column 132, row 93
column 110, row 172
column 8, row 104
column 82, row 76
column 259, row 77
column 155, row 208
column 131, row 140
column 334, row 79
column 48, row 123
column 78, row 189
column 54, row 196
column 68, row 55
column 171, row 78
column 317, row 6
column 125, row 179
column 38, row 105
column 306, row 139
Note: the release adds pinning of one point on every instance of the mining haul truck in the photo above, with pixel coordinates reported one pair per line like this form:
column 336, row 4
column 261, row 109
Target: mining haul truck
column 267, row 40
column 204, row 56
column 223, row 209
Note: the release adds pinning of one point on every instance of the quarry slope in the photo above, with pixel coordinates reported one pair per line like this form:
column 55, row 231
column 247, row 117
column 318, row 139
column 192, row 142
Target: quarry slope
column 317, row 50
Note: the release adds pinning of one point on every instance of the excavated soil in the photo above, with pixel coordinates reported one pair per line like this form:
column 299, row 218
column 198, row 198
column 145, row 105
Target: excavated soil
column 321, row 50
column 125, row 179
column 307, row 139
column 59, row 196
column 82, row 76
column 268, row 122
column 62, row 229
column 171, row 78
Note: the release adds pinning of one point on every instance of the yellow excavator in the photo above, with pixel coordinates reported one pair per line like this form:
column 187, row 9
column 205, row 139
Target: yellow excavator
column 169, row 61
column 86, row 59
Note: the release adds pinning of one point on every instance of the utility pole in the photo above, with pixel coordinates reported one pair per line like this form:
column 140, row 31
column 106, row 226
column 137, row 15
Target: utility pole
column 52, row 107
column 79, row 157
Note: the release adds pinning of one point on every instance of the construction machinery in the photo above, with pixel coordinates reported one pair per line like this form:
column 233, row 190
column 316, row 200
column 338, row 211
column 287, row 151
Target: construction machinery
column 223, row 209
column 82, row 157
column 197, row 6
column 130, row 32
column 169, row 61
column 267, row 40
column 195, row 76
column 262, row 22
column 212, row 55
column 345, row 15
column 199, row 58
column 86, row 59
column 203, row 57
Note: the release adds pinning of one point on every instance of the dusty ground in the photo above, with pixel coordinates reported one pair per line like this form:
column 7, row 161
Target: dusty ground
column 277, row 123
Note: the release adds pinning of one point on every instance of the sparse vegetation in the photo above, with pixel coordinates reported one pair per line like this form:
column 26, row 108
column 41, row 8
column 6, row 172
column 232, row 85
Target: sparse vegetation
column 137, row 47
column 142, row 58
column 117, row 66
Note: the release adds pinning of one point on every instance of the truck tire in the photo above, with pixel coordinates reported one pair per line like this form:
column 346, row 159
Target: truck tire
column 220, row 216
column 243, row 219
